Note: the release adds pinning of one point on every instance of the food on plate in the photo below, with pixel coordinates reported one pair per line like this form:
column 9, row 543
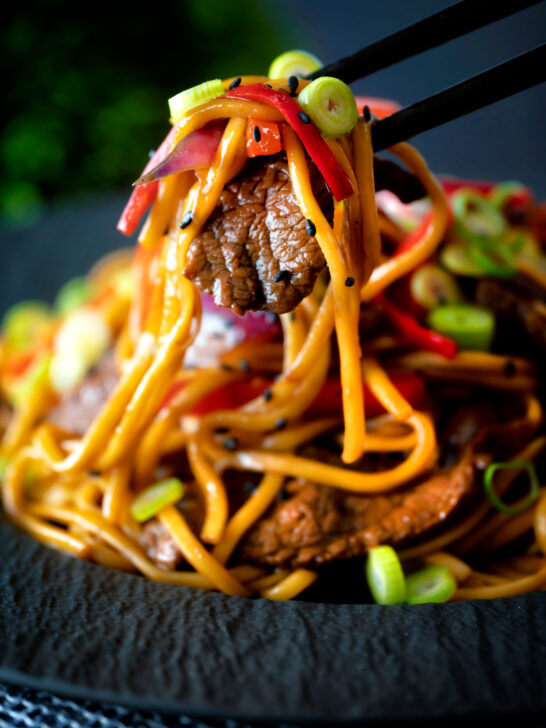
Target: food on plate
column 314, row 355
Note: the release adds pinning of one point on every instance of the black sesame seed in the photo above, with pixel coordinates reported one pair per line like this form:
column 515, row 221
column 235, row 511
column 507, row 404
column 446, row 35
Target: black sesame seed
column 217, row 335
column 268, row 394
column 292, row 316
column 230, row 443
column 257, row 134
column 226, row 367
column 326, row 266
column 367, row 113
column 509, row 369
column 229, row 323
column 249, row 486
column 268, row 85
column 303, row 117
column 293, row 82
column 282, row 275
column 350, row 281
column 281, row 423
column 270, row 317
column 235, row 83
column 310, row 227
column 186, row 220
column 151, row 153
column 220, row 430
column 282, row 495
column 245, row 366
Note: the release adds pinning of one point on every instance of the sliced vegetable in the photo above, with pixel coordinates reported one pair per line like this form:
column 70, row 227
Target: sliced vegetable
column 26, row 323
column 188, row 99
column 385, row 576
column 433, row 584
column 455, row 257
column 471, row 327
column 510, row 192
column 379, row 107
column 148, row 503
column 142, row 196
column 194, row 151
column 67, row 370
column 493, row 257
column 73, row 294
column 416, row 334
column 294, row 63
column 431, row 286
column 476, row 217
column 331, row 105
column 336, row 179
column 262, row 138
column 36, row 376
column 494, row 499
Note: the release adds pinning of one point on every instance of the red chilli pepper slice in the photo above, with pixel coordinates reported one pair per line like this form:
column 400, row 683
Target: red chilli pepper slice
column 142, row 196
column 262, row 138
column 336, row 179
column 416, row 334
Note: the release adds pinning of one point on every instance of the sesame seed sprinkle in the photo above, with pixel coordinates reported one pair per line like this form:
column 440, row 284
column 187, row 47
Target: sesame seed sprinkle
column 281, row 423
column 236, row 82
column 186, row 220
column 230, row 443
column 367, row 113
column 245, row 366
column 350, row 281
column 282, row 275
column 257, row 134
column 268, row 394
column 303, row 117
column 293, row 82
column 310, row 227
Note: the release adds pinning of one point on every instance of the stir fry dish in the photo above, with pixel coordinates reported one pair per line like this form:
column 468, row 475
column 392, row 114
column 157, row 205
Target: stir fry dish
column 319, row 368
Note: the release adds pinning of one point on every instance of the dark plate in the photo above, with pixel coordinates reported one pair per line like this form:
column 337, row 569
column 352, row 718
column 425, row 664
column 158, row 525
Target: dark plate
column 74, row 628
column 78, row 629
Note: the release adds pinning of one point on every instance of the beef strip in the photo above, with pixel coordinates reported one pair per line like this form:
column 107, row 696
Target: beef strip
column 254, row 252
column 318, row 524
column 517, row 308
column 77, row 409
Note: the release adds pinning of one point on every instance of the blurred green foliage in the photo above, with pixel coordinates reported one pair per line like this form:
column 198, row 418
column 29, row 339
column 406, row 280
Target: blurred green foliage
column 86, row 95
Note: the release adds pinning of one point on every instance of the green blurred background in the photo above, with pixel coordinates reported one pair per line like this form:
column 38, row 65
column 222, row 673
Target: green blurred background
column 87, row 91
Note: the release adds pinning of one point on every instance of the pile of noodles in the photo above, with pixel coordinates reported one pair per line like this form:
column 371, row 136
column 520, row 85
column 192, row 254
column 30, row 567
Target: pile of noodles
column 82, row 487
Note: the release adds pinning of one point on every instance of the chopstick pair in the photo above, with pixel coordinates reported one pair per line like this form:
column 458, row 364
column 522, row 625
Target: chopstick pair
column 499, row 82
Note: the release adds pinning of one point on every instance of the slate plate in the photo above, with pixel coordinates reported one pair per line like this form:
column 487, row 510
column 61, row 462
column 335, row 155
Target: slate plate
column 78, row 629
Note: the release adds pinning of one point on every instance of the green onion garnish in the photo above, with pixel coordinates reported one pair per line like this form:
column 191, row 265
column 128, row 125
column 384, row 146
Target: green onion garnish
column 471, row 327
column 73, row 294
column 456, row 259
column 432, row 286
column 153, row 499
column 293, row 63
column 493, row 257
column 331, row 105
column 183, row 102
column 385, row 576
column 504, row 191
column 494, row 499
column 24, row 323
column 476, row 217
column 433, row 584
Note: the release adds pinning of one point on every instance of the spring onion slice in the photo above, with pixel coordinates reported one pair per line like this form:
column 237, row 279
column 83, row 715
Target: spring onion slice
column 493, row 257
column 471, row 327
column 24, row 323
column 183, row 102
column 294, row 63
column 72, row 295
column 36, row 376
column 494, row 499
column 385, row 576
column 331, row 105
column 456, row 259
column 432, row 286
column 505, row 190
column 433, row 584
column 476, row 217
column 148, row 503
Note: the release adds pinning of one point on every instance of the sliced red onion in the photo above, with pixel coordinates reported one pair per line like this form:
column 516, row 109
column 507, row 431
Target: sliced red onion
column 195, row 150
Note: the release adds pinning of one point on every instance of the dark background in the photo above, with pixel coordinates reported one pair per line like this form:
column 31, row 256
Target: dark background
column 85, row 99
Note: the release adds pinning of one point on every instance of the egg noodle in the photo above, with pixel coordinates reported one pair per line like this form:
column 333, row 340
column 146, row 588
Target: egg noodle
column 74, row 493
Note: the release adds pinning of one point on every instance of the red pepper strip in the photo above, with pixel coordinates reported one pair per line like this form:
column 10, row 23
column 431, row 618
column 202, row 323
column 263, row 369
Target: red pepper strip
column 229, row 397
column 336, row 179
column 416, row 334
column 329, row 401
column 269, row 135
column 452, row 184
column 142, row 196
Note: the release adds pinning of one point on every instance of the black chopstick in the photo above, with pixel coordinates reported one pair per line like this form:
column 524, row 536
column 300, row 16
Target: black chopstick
column 428, row 33
column 497, row 83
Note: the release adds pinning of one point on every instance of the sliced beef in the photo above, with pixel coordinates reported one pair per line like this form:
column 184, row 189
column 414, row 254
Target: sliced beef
column 77, row 409
column 255, row 252
column 318, row 524
column 516, row 307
